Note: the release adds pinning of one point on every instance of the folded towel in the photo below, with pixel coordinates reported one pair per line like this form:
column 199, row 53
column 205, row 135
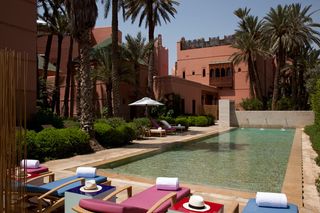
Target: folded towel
column 166, row 183
column 30, row 164
column 276, row 200
column 86, row 172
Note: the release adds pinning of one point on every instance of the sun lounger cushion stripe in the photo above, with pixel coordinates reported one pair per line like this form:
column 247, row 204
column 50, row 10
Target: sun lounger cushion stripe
column 147, row 198
column 96, row 205
column 39, row 170
column 252, row 207
column 60, row 193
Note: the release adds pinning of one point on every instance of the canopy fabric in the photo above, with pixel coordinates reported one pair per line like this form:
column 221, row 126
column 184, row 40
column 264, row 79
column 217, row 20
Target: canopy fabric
column 146, row 102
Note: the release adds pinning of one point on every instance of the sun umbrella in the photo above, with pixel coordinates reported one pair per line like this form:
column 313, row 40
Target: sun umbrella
column 146, row 102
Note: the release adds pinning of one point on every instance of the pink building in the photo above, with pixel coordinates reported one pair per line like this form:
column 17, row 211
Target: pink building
column 209, row 63
column 127, row 91
column 19, row 33
column 204, row 73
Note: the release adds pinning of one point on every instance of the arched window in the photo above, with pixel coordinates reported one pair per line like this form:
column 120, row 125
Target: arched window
column 203, row 72
column 228, row 72
column 183, row 74
column 217, row 73
column 211, row 73
column 223, row 72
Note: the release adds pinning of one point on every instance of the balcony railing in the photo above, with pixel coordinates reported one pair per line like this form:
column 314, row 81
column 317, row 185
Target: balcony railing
column 221, row 81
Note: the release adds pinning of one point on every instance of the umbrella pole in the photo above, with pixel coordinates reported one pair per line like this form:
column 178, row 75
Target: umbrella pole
column 146, row 112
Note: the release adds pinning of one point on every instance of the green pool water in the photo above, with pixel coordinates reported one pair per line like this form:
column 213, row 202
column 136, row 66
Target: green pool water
column 245, row 159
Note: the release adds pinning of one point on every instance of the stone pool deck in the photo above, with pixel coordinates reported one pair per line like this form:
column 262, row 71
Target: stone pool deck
column 230, row 198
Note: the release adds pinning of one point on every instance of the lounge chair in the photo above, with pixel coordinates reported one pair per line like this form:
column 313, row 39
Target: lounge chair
column 147, row 201
column 54, row 190
column 168, row 126
column 252, row 207
column 157, row 126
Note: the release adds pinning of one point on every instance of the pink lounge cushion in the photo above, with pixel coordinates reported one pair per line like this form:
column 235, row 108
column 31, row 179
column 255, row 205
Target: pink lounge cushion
column 39, row 170
column 100, row 206
column 147, row 198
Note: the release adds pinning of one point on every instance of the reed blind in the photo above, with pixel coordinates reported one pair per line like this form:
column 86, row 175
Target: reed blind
column 13, row 67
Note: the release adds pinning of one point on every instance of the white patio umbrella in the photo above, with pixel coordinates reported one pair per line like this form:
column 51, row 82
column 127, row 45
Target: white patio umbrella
column 146, row 102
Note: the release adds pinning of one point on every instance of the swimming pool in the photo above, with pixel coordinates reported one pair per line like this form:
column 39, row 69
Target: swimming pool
column 246, row 159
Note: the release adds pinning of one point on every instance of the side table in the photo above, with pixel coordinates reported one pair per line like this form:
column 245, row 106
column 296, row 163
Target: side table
column 74, row 195
column 178, row 207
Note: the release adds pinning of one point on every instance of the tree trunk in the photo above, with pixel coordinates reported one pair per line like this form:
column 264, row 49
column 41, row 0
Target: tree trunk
column 275, row 94
column 78, row 106
column 56, row 93
column 257, row 82
column 69, row 71
column 251, row 78
column 86, row 117
column 109, row 98
column 151, row 26
column 115, row 60
column 72, row 93
column 294, row 89
column 137, row 80
column 45, row 71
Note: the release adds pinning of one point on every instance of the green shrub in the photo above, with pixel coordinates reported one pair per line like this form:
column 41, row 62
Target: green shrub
column 127, row 134
column 139, row 125
column 284, row 103
column 314, row 132
column 109, row 136
column 201, row 121
column 251, row 104
column 192, row 120
column 142, row 122
column 57, row 143
column 43, row 117
column 115, row 122
column 211, row 119
column 183, row 121
column 71, row 123
column 169, row 119
column 315, row 103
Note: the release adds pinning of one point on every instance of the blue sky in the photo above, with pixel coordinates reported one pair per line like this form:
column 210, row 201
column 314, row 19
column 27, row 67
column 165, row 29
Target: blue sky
column 202, row 19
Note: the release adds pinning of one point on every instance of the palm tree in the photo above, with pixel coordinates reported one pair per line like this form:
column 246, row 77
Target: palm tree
column 49, row 32
column 301, row 35
column 152, row 11
column 116, row 6
column 136, row 52
column 248, row 41
column 103, row 72
column 83, row 15
column 276, row 30
column 68, row 80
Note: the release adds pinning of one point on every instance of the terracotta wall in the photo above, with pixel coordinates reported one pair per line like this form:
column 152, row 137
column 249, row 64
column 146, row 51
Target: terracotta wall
column 101, row 33
column 18, row 32
column 188, row 90
column 194, row 61
column 161, row 58
column 41, row 48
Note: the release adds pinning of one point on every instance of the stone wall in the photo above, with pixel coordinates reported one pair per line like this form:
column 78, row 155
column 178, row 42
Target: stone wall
column 278, row 119
column 201, row 43
column 228, row 116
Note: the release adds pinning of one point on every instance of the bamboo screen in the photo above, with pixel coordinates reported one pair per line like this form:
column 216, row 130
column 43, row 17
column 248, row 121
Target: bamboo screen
column 13, row 68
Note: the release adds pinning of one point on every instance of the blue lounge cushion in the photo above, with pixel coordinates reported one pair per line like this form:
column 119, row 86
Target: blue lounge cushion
column 60, row 192
column 252, row 207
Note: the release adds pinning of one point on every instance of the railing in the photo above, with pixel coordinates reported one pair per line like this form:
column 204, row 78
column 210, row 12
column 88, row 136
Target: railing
column 221, row 81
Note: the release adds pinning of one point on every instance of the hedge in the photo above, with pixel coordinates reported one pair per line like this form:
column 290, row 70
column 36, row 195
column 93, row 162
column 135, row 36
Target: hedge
column 43, row 117
column 57, row 143
column 109, row 136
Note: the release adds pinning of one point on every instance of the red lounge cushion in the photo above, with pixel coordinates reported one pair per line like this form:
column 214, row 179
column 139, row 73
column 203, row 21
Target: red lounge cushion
column 147, row 198
column 39, row 170
column 100, row 206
